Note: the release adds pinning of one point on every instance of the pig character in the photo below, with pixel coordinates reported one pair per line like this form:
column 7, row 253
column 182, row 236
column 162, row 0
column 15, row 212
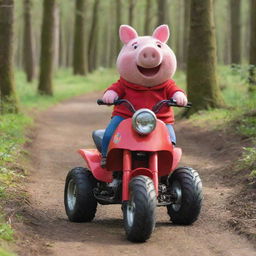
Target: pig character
column 146, row 65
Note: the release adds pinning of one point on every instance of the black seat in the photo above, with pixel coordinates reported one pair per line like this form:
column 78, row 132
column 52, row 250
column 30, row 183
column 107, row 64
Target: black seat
column 97, row 138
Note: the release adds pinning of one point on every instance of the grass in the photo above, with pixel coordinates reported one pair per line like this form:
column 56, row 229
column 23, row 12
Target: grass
column 65, row 86
column 5, row 253
column 6, row 232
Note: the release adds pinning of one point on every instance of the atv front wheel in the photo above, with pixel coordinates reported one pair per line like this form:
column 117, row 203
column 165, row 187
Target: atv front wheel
column 79, row 200
column 139, row 211
column 186, row 186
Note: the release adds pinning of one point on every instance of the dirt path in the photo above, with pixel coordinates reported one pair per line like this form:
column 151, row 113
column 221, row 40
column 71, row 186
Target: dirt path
column 67, row 127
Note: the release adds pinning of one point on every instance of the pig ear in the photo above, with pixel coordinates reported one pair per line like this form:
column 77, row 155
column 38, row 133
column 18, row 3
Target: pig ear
column 162, row 33
column 127, row 33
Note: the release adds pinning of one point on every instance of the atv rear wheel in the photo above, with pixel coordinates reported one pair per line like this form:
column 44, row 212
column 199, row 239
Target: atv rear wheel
column 79, row 200
column 185, row 184
column 139, row 211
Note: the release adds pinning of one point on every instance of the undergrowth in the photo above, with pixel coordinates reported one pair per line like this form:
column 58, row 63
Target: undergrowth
column 240, row 115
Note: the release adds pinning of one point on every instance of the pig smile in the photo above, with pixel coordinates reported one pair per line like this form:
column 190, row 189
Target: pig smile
column 149, row 71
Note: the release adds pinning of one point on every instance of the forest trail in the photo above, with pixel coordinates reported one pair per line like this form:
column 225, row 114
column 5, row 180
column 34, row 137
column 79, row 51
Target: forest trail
column 66, row 127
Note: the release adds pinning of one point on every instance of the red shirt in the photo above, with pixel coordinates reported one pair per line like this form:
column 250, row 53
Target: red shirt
column 144, row 97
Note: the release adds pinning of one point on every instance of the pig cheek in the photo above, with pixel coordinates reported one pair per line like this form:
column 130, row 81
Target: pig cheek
column 126, row 65
column 169, row 65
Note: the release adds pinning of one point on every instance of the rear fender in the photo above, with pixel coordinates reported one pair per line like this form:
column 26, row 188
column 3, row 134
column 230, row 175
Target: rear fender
column 93, row 158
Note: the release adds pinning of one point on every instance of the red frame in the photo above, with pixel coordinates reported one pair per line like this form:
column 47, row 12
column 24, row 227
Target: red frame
column 163, row 157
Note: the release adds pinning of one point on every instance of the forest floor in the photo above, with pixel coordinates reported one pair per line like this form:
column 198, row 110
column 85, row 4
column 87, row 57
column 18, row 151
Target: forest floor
column 66, row 127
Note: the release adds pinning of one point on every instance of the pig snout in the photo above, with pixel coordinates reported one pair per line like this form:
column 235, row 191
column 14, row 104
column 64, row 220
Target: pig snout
column 149, row 57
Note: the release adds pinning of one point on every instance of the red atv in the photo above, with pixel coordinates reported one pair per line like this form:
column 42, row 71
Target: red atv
column 143, row 161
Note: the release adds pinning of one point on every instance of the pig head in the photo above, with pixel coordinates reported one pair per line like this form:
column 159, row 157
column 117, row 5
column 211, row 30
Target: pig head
column 146, row 60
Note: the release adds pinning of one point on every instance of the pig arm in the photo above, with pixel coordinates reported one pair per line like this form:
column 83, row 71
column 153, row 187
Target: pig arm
column 177, row 94
column 113, row 92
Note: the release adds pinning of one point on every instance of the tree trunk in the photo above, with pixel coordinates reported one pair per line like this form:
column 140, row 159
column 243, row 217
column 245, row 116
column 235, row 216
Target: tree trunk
column 147, row 17
column 47, row 48
column 111, row 44
column 178, row 41
column 131, row 11
column 203, row 89
column 92, row 45
column 118, row 24
column 7, row 86
column 28, row 44
column 162, row 12
column 235, row 6
column 79, row 67
column 61, row 48
column 252, row 59
column 186, row 32
column 56, row 39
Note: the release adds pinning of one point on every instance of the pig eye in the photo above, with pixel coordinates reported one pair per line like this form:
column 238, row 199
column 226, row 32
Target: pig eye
column 135, row 46
column 159, row 45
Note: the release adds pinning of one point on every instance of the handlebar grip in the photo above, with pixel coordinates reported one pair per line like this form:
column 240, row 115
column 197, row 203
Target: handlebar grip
column 173, row 103
column 100, row 102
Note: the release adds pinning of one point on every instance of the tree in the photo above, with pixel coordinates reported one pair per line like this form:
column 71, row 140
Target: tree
column 7, row 86
column 162, row 12
column 186, row 31
column 111, row 43
column 79, row 67
column 252, row 58
column 131, row 12
column 178, row 40
column 203, row 89
column 56, row 38
column 28, row 44
column 235, row 6
column 118, row 24
column 93, row 39
column 47, row 48
column 147, row 17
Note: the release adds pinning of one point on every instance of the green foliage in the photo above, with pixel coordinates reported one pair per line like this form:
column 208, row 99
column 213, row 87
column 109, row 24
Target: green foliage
column 12, row 128
column 247, row 126
column 5, row 253
column 249, row 157
column 248, row 162
column 6, row 235
column 6, row 232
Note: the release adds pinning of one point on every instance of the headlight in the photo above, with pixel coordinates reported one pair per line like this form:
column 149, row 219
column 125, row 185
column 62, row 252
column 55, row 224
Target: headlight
column 144, row 121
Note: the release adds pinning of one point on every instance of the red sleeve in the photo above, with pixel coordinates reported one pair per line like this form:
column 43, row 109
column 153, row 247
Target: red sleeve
column 118, row 88
column 172, row 88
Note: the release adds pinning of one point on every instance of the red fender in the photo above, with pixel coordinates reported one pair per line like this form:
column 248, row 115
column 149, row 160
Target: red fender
column 93, row 158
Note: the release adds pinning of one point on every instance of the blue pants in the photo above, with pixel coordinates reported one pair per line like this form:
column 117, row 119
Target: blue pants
column 115, row 121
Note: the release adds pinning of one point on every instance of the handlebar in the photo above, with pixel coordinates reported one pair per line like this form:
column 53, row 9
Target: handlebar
column 118, row 102
column 156, row 108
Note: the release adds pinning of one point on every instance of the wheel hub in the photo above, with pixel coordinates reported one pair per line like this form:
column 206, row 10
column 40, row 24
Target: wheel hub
column 130, row 212
column 71, row 194
column 176, row 190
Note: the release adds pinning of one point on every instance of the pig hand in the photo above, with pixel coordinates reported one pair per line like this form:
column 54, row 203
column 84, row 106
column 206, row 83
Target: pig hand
column 109, row 96
column 180, row 98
